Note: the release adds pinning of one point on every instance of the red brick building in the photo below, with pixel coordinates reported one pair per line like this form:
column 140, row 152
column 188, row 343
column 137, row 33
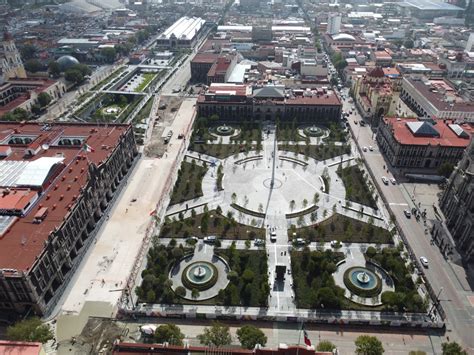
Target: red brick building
column 56, row 182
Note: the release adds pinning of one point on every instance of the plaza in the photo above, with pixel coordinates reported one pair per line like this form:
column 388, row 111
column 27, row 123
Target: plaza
column 285, row 203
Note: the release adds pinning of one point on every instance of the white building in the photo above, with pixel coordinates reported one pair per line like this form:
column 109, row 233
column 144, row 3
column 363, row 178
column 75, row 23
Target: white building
column 182, row 34
column 334, row 24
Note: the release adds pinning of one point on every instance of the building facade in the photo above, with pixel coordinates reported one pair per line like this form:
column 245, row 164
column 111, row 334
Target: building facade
column 375, row 95
column 421, row 146
column 243, row 102
column 457, row 204
column 435, row 98
column 334, row 24
column 51, row 202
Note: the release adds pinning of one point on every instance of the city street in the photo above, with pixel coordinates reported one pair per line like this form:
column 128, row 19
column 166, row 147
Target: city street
column 454, row 298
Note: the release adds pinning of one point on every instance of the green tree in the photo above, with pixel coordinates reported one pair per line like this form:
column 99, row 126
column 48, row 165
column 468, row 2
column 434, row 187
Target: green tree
column 33, row 65
column 54, row 69
column 194, row 293
column 325, row 345
column 249, row 336
column 169, row 333
column 409, row 43
column 452, row 348
column 216, row 335
column 445, row 169
column 36, row 109
column 74, row 76
column 109, row 54
column 368, row 345
column 28, row 51
column 31, row 329
column 20, row 114
column 44, row 99
column 180, row 291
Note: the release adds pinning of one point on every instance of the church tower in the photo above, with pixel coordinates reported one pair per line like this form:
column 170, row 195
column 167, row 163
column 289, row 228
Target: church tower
column 11, row 64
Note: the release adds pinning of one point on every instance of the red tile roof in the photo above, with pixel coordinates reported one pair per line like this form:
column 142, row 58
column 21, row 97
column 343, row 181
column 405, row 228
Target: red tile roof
column 447, row 138
column 64, row 189
column 20, row 348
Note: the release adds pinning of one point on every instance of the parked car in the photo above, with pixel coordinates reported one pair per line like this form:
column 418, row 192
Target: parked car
column 335, row 244
column 385, row 180
column 371, row 148
column 407, row 213
column 210, row 239
column 424, row 261
column 393, row 181
column 299, row 241
column 364, row 149
column 259, row 242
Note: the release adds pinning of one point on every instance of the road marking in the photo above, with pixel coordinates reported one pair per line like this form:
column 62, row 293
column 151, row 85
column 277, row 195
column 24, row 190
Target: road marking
column 397, row 204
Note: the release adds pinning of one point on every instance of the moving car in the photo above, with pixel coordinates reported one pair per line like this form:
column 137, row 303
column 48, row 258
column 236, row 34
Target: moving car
column 424, row 261
column 335, row 244
column 407, row 213
column 371, row 148
column 393, row 181
column 385, row 180
column 300, row 241
column 364, row 149
column 273, row 237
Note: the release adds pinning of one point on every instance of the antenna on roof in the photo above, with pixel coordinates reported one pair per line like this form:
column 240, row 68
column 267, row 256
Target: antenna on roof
column 45, row 146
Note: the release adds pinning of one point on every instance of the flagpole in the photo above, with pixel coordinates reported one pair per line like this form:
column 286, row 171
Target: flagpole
column 299, row 339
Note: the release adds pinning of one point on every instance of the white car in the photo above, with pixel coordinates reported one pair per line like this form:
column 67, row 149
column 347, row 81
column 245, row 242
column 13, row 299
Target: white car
column 300, row 241
column 371, row 148
column 273, row 237
column 424, row 261
column 407, row 213
column 335, row 244
column 210, row 239
column 393, row 181
column 364, row 149
column 385, row 180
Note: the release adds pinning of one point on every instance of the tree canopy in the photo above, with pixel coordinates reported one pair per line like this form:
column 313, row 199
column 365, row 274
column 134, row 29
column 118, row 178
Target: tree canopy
column 325, row 345
column 368, row 345
column 28, row 51
column 452, row 348
column 215, row 335
column 169, row 333
column 30, row 330
column 44, row 99
column 249, row 336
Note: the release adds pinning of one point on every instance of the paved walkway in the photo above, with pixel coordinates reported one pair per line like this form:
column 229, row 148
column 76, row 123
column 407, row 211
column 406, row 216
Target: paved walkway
column 202, row 252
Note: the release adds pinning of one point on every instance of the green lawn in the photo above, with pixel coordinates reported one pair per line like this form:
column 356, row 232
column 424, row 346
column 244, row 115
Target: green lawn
column 147, row 78
column 318, row 152
column 189, row 182
column 344, row 229
column 356, row 186
column 210, row 223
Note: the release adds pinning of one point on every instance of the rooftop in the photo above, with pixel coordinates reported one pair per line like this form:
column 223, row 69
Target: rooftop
column 431, row 5
column 58, row 189
column 411, row 131
column 20, row 348
column 441, row 95
column 205, row 58
column 185, row 28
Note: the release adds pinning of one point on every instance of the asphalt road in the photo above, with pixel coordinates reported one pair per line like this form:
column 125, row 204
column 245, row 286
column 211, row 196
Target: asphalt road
column 460, row 313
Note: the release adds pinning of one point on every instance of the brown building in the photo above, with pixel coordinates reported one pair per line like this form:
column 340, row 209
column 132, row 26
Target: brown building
column 56, row 182
column 200, row 66
column 237, row 102
column 422, row 146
